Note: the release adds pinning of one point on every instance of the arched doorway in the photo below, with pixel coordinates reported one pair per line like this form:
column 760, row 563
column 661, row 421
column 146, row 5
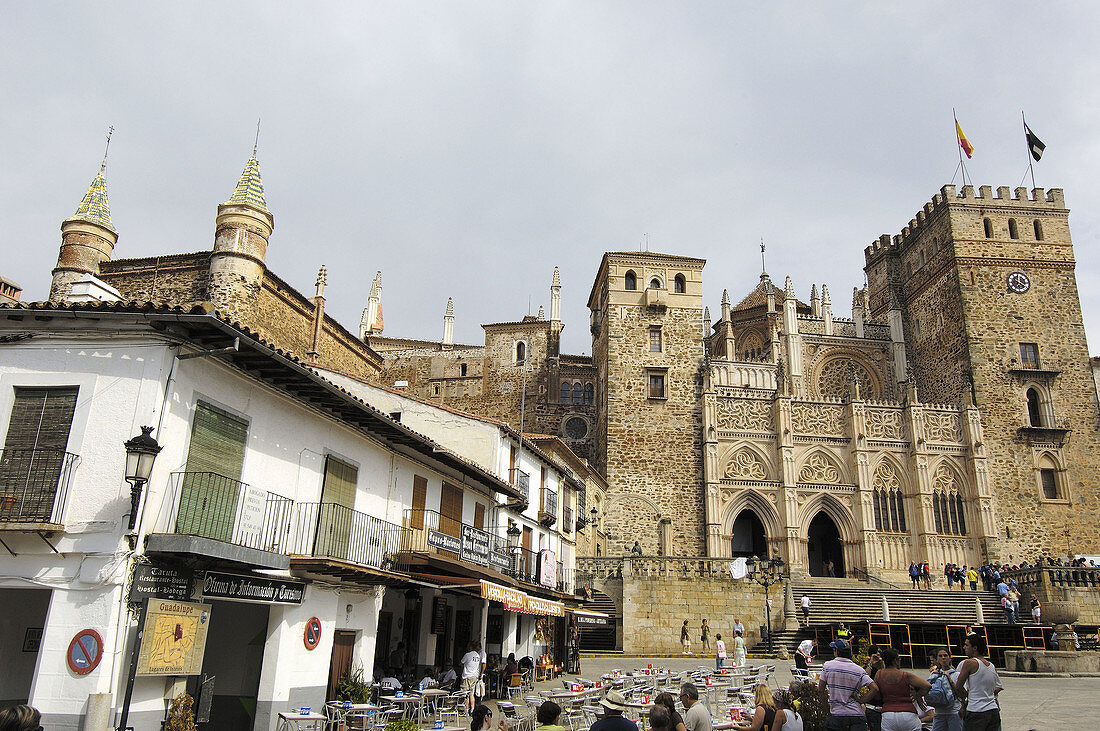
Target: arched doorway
column 824, row 545
column 748, row 538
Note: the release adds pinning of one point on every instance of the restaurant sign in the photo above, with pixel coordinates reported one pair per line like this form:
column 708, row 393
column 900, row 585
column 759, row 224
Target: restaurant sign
column 475, row 546
column 500, row 561
column 160, row 582
column 444, row 542
column 590, row 620
column 502, row 594
column 216, row 585
column 545, row 606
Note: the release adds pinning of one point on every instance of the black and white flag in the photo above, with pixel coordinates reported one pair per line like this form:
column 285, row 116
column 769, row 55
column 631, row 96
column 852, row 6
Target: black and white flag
column 1034, row 143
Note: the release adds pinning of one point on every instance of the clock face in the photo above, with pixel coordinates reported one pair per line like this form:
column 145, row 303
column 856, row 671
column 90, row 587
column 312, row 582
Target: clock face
column 1018, row 282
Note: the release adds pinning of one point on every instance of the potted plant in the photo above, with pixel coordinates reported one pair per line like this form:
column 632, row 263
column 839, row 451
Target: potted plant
column 352, row 688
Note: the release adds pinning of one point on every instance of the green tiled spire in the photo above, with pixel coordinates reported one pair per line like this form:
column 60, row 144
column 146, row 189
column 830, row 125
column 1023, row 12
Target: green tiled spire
column 250, row 188
column 94, row 206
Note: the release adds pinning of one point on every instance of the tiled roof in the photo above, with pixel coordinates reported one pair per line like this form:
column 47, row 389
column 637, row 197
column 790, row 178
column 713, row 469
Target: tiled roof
column 94, row 206
column 250, row 188
column 759, row 296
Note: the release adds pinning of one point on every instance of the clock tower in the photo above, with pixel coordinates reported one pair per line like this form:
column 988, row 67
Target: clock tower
column 986, row 287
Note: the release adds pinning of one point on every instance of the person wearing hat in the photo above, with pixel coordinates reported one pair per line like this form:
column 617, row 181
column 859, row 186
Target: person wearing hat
column 845, row 682
column 615, row 704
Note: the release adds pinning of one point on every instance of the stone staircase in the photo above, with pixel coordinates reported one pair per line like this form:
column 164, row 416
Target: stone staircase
column 853, row 602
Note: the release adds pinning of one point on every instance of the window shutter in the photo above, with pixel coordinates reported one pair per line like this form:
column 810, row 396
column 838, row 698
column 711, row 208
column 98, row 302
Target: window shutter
column 41, row 418
column 479, row 516
column 211, row 487
column 450, row 510
column 217, row 442
column 340, row 480
column 420, row 500
column 337, row 509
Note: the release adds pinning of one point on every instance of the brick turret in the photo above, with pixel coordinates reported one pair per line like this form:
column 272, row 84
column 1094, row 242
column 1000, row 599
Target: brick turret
column 242, row 229
column 87, row 239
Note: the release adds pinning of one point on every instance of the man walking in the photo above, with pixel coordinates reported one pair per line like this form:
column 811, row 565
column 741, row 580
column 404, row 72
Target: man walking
column 805, row 604
column 972, row 577
column 844, row 681
column 977, row 687
column 697, row 717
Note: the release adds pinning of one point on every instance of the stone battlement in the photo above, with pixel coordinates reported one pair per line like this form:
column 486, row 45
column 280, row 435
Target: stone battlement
column 1020, row 199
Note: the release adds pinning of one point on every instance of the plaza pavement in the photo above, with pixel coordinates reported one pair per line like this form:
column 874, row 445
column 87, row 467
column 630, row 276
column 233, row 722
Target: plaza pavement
column 1026, row 703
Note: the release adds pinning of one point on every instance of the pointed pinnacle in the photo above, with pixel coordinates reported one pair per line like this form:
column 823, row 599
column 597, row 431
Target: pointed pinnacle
column 450, row 308
column 825, row 295
column 557, row 279
column 789, row 288
column 725, row 296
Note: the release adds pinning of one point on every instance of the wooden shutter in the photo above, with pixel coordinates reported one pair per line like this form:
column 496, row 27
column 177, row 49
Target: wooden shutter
column 337, row 512
column 41, row 418
column 34, row 451
column 450, row 510
column 420, row 500
column 211, row 485
column 527, row 538
column 340, row 480
column 479, row 516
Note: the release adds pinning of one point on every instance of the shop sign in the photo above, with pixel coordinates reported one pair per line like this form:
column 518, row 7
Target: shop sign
column 160, row 582
column 475, row 546
column 500, row 561
column 548, row 569
column 535, row 605
column 85, row 652
column 444, row 542
column 216, row 585
column 173, row 638
column 250, row 516
column 439, row 615
column 503, row 594
column 590, row 621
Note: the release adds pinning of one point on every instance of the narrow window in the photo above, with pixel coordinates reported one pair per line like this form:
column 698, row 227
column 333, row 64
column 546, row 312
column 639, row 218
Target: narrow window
column 336, row 514
column 630, row 281
column 961, row 513
column 1034, row 408
column 479, row 516
column 464, row 369
column 589, row 394
column 420, row 499
column 1049, row 480
column 878, row 509
column 211, row 484
column 655, row 283
column 577, row 389
column 1038, row 230
column 521, row 353
column 654, row 340
column 564, row 397
column 908, row 268
column 681, row 285
column 1029, row 355
column 1013, row 232
column 988, row 228
column 656, row 385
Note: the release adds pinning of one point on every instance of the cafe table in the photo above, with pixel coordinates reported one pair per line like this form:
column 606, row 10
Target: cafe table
column 294, row 721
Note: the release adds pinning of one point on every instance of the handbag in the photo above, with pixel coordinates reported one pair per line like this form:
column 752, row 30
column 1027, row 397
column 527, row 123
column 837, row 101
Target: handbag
column 479, row 689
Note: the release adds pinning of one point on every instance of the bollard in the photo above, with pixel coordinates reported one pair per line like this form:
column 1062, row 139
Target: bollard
column 98, row 717
column 885, row 609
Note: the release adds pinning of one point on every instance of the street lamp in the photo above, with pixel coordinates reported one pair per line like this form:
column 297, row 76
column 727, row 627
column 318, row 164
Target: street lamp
column 141, row 452
column 767, row 572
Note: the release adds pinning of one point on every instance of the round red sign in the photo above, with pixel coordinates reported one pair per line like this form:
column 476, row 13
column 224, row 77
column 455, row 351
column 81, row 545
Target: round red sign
column 312, row 636
column 85, row 652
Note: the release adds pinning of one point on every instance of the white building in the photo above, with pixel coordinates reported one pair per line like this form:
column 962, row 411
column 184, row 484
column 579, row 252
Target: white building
column 314, row 504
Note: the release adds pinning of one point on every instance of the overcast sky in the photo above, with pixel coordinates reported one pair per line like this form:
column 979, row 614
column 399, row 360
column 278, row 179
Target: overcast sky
column 466, row 148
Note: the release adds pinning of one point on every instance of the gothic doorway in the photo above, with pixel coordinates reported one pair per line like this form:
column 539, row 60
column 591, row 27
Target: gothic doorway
column 824, row 545
column 748, row 537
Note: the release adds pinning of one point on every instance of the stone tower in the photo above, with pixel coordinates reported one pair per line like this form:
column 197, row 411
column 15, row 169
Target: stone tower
column 243, row 227
column 87, row 239
column 984, row 288
column 647, row 346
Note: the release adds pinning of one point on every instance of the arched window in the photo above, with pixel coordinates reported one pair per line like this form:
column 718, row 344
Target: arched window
column 988, row 228
column 889, row 503
column 565, row 390
column 589, row 394
column 655, row 283
column 521, row 353
column 1038, row 230
column 681, row 286
column 1034, row 408
column 1013, row 232
column 947, row 504
column 577, row 390
column 630, row 281
column 1048, row 479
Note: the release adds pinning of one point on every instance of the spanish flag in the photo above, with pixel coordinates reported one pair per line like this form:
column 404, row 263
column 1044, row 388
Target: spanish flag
column 963, row 142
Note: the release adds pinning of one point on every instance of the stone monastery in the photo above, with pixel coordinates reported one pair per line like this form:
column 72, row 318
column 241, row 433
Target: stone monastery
column 952, row 415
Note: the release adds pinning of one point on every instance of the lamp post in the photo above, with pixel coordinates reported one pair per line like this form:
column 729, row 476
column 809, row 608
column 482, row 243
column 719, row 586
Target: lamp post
column 513, row 534
column 141, row 452
column 767, row 572
column 595, row 535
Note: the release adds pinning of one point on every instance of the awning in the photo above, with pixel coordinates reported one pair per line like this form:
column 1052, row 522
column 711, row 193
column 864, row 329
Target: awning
column 590, row 619
column 515, row 600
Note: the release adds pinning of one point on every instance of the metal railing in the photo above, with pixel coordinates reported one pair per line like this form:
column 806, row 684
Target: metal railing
column 863, row 575
column 550, row 502
column 428, row 531
column 34, row 484
column 521, row 481
column 331, row 530
column 223, row 509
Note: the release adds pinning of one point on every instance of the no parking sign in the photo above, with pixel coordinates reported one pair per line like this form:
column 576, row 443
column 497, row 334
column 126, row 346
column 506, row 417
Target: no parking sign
column 312, row 636
column 85, row 652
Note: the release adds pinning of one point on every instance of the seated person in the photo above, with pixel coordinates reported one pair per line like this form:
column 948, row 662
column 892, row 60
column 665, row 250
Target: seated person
column 429, row 681
column 448, row 677
column 511, row 667
column 390, row 681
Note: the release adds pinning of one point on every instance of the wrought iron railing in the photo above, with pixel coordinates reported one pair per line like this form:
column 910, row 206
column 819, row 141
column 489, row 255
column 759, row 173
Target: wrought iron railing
column 331, row 530
column 428, row 531
column 549, row 502
column 34, row 484
column 214, row 506
column 521, row 481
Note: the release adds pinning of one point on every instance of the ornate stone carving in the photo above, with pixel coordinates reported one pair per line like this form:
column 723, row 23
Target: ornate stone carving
column 942, row 427
column 885, row 478
column 944, row 480
column 823, row 420
column 751, row 415
column 883, row 424
column 745, row 465
column 835, row 375
column 820, row 470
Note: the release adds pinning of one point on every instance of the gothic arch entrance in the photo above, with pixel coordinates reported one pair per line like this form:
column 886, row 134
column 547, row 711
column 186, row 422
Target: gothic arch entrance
column 823, row 545
column 748, row 537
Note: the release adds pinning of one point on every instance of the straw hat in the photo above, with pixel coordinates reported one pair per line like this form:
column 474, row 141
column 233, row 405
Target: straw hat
column 614, row 701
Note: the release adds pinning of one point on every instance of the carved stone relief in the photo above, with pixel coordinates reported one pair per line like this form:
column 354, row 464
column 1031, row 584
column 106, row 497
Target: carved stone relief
column 818, row 419
column 942, row 427
column 819, row 470
column 883, row 424
column 745, row 465
column 885, row 478
column 751, row 415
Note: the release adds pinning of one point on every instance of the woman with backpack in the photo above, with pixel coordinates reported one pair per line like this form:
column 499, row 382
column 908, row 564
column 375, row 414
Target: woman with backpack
column 942, row 695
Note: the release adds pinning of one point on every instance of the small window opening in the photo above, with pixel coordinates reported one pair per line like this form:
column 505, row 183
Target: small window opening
column 1034, row 408
column 988, row 228
column 1038, row 230
column 1013, row 231
column 655, row 283
column 630, row 281
column 681, row 286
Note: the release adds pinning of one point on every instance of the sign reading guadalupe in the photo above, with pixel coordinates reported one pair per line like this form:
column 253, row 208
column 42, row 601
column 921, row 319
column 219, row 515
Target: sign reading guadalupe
column 444, row 541
column 216, row 585
column 160, row 582
column 174, row 638
column 475, row 546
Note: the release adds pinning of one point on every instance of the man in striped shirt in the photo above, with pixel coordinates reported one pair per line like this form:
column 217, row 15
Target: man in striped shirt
column 843, row 679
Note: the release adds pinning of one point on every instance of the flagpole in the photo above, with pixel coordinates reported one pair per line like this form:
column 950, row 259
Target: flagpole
column 1028, row 146
column 958, row 144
